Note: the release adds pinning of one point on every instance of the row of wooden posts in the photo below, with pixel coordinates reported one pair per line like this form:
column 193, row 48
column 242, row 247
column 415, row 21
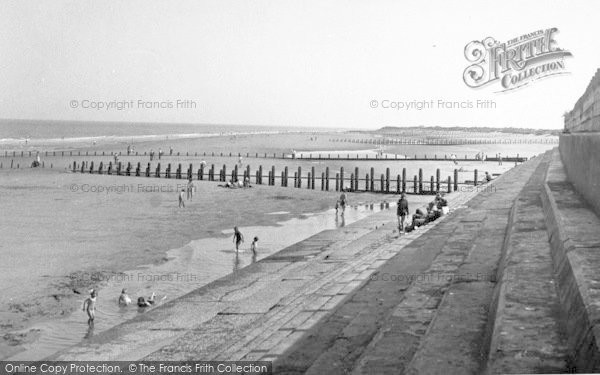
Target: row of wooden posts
column 18, row 166
column 419, row 185
column 447, row 141
column 309, row 156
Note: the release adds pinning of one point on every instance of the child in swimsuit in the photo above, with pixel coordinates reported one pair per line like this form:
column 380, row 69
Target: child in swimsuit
column 238, row 238
column 253, row 245
column 343, row 202
column 142, row 302
column 124, row 299
column 89, row 306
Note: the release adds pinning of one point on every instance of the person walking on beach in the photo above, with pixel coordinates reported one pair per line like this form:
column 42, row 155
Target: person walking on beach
column 402, row 211
column 253, row 245
column 238, row 238
column 190, row 189
column 160, row 152
column 170, row 151
column 499, row 159
column 343, row 203
column 453, row 158
column 89, row 306
column 151, row 154
column 181, row 196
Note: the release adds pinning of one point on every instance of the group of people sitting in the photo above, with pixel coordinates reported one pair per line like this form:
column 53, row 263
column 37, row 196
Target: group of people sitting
column 237, row 184
column 435, row 209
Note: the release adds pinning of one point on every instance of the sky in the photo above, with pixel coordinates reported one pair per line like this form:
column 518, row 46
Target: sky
column 288, row 63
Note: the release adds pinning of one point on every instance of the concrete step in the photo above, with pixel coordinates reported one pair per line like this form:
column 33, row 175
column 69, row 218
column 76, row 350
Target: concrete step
column 457, row 339
column 379, row 327
column 528, row 330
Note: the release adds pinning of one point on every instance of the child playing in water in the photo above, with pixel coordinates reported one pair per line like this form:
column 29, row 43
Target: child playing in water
column 253, row 245
column 238, row 238
column 124, row 299
column 142, row 302
column 181, row 197
column 89, row 306
column 343, row 203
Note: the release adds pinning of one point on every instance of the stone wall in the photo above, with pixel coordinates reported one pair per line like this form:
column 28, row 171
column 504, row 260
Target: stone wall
column 580, row 144
column 585, row 115
column 580, row 154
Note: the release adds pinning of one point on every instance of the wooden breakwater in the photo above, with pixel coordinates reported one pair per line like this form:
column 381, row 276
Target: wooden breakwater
column 300, row 156
column 326, row 181
column 13, row 165
column 447, row 141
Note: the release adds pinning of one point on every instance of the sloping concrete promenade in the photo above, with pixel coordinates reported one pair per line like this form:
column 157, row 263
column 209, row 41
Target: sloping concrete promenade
column 504, row 284
column 461, row 304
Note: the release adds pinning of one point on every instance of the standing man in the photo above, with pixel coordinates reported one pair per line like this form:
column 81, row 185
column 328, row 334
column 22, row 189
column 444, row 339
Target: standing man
column 402, row 211
column 190, row 189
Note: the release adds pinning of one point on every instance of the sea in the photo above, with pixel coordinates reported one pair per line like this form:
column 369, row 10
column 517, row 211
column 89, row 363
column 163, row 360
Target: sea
column 16, row 132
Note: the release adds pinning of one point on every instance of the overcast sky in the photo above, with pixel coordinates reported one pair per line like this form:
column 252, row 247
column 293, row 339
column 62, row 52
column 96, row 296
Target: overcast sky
column 295, row 63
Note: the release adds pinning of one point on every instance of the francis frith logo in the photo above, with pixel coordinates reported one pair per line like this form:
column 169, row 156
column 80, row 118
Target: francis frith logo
column 515, row 63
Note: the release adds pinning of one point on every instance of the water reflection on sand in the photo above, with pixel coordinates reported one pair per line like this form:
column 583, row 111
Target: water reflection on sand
column 190, row 267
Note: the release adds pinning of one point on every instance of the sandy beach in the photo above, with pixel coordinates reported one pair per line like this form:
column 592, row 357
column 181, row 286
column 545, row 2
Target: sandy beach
column 65, row 232
column 60, row 240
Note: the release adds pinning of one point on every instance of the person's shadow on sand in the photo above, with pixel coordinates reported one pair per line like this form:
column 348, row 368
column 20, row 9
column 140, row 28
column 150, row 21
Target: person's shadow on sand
column 228, row 251
column 90, row 331
column 340, row 223
column 236, row 262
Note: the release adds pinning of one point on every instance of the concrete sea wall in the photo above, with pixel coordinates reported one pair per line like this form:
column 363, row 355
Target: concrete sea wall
column 580, row 154
column 580, row 144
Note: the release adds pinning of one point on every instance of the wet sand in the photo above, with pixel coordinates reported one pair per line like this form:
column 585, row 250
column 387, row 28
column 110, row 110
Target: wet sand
column 188, row 268
column 58, row 243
